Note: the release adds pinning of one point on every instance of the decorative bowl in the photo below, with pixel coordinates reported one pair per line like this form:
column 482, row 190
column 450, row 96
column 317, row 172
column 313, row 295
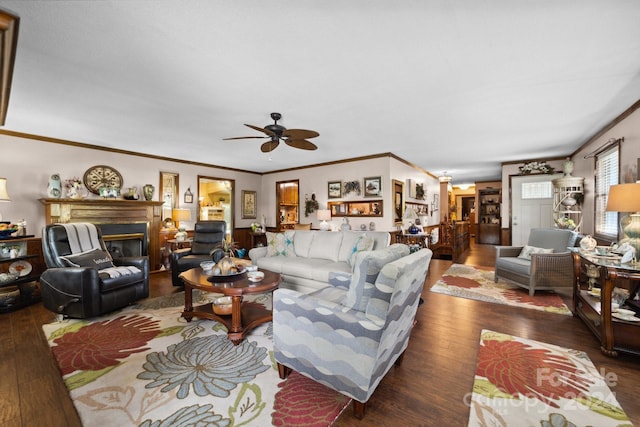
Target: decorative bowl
column 222, row 306
column 7, row 232
column 8, row 295
column 255, row 276
column 207, row 266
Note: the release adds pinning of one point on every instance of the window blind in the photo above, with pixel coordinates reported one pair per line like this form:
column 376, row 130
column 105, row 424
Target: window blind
column 607, row 172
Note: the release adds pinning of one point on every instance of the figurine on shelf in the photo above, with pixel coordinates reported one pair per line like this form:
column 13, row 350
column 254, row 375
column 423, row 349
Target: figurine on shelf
column 55, row 187
column 22, row 228
column 181, row 235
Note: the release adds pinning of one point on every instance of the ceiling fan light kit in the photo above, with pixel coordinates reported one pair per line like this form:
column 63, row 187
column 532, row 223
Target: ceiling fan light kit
column 296, row 138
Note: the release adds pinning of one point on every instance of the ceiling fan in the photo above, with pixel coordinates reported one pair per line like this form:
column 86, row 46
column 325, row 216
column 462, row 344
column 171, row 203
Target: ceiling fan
column 296, row 138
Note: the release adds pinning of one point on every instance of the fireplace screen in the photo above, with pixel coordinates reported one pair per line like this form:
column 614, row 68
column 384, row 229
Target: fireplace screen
column 125, row 239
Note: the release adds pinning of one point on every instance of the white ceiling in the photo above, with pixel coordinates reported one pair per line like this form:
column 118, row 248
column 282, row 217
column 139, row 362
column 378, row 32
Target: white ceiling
column 460, row 86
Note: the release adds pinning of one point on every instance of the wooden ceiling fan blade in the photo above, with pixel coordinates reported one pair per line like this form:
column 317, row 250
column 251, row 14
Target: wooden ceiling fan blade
column 244, row 137
column 303, row 144
column 269, row 146
column 300, row 134
column 259, row 129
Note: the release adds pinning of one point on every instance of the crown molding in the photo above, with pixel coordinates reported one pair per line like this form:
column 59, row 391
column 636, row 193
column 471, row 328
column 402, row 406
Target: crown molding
column 9, row 24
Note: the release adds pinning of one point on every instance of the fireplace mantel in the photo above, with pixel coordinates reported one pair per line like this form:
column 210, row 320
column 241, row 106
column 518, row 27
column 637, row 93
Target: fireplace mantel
column 110, row 211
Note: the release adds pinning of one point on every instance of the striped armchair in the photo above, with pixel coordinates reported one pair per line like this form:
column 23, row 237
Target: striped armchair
column 347, row 336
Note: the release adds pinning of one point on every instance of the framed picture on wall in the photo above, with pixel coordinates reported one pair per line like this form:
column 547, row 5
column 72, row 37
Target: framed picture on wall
column 398, row 200
column 334, row 189
column 373, row 186
column 188, row 196
column 249, row 204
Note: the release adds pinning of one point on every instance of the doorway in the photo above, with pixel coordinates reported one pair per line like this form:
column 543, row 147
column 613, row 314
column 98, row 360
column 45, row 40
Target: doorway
column 531, row 205
column 215, row 200
column 287, row 195
column 468, row 207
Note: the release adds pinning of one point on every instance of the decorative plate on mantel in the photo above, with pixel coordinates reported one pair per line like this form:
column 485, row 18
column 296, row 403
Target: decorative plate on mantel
column 100, row 176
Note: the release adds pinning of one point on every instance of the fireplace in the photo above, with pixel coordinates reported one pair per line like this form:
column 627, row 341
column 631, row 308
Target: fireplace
column 127, row 226
column 125, row 239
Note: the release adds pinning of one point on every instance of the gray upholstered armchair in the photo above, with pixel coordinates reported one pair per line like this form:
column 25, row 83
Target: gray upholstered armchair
column 206, row 236
column 544, row 263
column 348, row 335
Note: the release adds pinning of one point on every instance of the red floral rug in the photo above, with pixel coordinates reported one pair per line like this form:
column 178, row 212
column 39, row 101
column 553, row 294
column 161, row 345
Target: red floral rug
column 521, row 382
column 148, row 367
column 478, row 283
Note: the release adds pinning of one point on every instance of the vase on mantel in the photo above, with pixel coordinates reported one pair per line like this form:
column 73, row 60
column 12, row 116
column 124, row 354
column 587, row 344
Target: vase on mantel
column 148, row 191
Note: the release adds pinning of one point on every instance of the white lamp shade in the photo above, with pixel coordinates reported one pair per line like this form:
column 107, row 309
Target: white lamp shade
column 4, row 195
column 324, row 215
column 410, row 213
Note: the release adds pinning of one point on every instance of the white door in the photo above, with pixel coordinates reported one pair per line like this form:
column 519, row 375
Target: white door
column 531, row 205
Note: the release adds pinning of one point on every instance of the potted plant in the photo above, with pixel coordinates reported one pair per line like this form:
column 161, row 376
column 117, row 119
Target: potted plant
column 310, row 205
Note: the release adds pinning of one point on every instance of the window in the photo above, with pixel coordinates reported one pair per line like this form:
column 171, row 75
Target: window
column 537, row 190
column 607, row 172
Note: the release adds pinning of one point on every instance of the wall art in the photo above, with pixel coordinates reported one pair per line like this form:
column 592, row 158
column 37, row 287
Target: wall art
column 373, row 186
column 334, row 189
column 249, row 204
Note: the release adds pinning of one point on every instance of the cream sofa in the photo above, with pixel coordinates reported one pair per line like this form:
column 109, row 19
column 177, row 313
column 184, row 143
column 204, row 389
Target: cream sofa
column 307, row 259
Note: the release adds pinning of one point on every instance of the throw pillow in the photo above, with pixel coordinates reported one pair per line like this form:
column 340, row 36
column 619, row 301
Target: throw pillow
column 94, row 258
column 326, row 245
column 527, row 251
column 280, row 244
column 364, row 243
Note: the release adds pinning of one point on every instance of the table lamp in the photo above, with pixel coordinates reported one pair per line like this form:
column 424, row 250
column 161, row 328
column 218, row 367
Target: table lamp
column 180, row 215
column 324, row 215
column 4, row 195
column 408, row 220
column 626, row 198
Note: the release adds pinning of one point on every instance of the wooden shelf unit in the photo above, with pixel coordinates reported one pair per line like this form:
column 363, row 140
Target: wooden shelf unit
column 356, row 208
column 567, row 195
column 29, row 250
column 489, row 216
column 614, row 334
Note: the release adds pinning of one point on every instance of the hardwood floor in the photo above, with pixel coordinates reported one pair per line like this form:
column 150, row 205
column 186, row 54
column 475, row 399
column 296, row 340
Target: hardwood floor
column 429, row 388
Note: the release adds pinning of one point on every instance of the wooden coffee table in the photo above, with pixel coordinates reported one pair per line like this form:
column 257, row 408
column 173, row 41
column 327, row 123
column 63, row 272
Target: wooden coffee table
column 243, row 317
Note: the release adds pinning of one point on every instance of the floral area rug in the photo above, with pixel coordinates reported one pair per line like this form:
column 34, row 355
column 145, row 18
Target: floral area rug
column 521, row 382
column 146, row 366
column 477, row 283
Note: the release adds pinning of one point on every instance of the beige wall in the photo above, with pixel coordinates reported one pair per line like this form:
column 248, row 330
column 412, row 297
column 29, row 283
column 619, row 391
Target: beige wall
column 315, row 180
column 627, row 127
column 33, row 162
